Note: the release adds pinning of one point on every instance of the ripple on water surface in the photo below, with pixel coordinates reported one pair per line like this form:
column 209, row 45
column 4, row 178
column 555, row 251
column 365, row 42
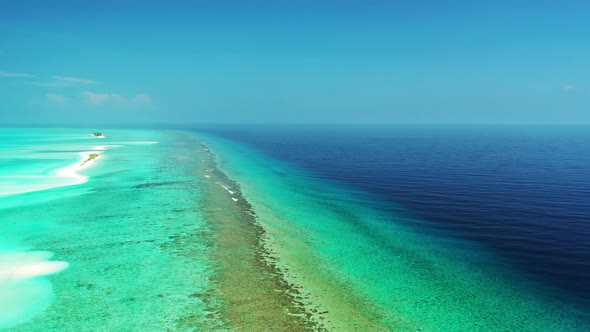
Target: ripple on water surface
column 337, row 244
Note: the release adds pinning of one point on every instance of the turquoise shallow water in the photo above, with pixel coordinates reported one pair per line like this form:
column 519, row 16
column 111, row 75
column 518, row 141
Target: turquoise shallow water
column 380, row 264
column 30, row 157
column 128, row 233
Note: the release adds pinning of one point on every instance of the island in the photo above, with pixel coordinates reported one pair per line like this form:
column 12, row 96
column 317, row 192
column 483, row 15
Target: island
column 97, row 134
column 90, row 157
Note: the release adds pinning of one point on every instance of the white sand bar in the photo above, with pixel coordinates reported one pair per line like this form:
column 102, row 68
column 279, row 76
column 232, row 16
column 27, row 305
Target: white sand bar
column 72, row 170
column 24, row 265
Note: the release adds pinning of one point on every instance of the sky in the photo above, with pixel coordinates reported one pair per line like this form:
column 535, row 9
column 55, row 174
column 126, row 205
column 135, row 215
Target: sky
column 297, row 61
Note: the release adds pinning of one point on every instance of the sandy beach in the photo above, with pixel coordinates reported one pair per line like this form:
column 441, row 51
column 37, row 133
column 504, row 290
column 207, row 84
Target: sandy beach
column 65, row 176
column 85, row 162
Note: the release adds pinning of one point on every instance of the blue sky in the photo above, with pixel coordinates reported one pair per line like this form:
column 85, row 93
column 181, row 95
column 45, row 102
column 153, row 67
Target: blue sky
column 294, row 61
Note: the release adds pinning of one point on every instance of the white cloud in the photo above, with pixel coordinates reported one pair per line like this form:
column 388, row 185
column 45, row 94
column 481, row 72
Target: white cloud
column 52, row 84
column 118, row 99
column 74, row 79
column 142, row 99
column 569, row 87
column 9, row 74
column 114, row 98
column 95, row 98
column 55, row 98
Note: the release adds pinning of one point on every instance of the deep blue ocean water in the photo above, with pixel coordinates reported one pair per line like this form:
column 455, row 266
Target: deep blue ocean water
column 524, row 192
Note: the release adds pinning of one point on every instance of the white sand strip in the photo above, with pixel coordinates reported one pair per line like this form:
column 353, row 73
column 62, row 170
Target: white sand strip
column 34, row 270
column 228, row 190
column 69, row 175
column 72, row 170
column 142, row 142
column 24, row 265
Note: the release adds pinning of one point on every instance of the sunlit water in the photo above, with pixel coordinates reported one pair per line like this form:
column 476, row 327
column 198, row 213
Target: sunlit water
column 435, row 227
column 401, row 228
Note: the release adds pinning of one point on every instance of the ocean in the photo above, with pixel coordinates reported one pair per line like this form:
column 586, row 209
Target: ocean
column 293, row 227
column 524, row 192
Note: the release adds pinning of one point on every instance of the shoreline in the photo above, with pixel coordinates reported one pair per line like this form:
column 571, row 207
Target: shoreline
column 68, row 172
column 88, row 158
column 72, row 170
column 20, row 265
